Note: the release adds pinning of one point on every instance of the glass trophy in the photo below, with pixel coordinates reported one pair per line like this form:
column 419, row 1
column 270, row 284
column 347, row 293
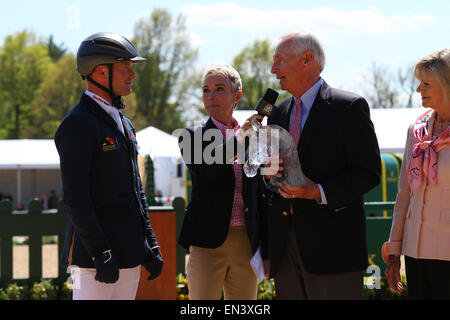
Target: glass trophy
column 269, row 141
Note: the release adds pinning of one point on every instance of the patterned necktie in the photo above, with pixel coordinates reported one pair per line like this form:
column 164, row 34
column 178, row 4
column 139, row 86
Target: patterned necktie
column 296, row 121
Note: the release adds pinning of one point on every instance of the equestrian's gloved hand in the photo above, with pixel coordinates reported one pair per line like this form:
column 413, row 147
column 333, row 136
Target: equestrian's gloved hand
column 153, row 263
column 107, row 267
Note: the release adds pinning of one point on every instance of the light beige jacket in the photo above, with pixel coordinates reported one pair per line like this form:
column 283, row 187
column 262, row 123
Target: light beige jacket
column 421, row 220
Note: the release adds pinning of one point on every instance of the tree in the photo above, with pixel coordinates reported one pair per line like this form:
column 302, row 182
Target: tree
column 59, row 92
column 24, row 63
column 408, row 83
column 253, row 64
column 191, row 95
column 383, row 93
column 385, row 89
column 169, row 58
column 55, row 51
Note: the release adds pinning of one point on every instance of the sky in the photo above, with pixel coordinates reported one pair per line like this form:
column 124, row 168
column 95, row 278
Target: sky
column 354, row 33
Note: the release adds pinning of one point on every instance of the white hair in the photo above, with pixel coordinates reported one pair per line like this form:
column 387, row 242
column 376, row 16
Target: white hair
column 229, row 72
column 301, row 42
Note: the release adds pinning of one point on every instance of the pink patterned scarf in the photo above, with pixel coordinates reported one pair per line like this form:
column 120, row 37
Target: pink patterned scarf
column 424, row 155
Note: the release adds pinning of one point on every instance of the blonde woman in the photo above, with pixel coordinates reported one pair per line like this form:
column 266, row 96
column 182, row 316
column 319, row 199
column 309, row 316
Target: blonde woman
column 421, row 222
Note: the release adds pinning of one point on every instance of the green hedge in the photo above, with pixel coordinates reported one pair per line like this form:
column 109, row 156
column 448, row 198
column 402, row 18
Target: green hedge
column 45, row 289
column 266, row 290
column 48, row 289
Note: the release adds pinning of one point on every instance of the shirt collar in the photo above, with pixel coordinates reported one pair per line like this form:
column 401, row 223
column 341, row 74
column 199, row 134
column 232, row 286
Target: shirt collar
column 102, row 102
column 223, row 128
column 309, row 96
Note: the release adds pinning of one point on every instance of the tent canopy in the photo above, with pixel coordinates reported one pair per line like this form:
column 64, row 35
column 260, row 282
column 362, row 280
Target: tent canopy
column 42, row 153
column 157, row 143
column 28, row 154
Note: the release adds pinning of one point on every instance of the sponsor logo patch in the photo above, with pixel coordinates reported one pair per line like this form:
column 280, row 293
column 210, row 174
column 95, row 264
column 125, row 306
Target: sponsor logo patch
column 109, row 144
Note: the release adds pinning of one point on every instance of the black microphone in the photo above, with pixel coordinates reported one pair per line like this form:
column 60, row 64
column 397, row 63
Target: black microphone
column 266, row 104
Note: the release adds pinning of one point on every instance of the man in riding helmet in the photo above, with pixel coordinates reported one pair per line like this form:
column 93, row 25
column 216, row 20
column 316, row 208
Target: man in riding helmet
column 109, row 235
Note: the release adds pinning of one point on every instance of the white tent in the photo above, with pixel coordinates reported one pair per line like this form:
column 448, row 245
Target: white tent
column 28, row 154
column 157, row 143
column 391, row 127
column 165, row 153
column 28, row 168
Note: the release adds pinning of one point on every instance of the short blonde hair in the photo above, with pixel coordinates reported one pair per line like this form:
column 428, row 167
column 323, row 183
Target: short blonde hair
column 229, row 72
column 437, row 63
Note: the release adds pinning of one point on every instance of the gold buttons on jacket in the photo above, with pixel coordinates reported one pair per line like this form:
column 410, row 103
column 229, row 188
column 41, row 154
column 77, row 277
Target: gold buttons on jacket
column 340, row 209
column 246, row 210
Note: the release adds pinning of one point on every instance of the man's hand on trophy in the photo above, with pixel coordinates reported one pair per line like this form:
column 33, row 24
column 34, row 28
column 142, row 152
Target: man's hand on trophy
column 248, row 124
column 273, row 168
column 309, row 191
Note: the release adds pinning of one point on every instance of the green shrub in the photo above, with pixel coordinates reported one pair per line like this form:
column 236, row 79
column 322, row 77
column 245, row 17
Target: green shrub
column 385, row 292
column 266, row 289
column 3, row 295
column 14, row 292
column 45, row 289
column 48, row 289
column 65, row 292
column 182, row 288
column 49, row 239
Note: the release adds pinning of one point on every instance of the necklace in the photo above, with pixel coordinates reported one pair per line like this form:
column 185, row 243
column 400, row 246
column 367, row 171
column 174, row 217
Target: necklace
column 440, row 126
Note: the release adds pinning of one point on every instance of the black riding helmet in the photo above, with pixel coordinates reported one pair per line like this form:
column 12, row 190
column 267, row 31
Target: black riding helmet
column 105, row 48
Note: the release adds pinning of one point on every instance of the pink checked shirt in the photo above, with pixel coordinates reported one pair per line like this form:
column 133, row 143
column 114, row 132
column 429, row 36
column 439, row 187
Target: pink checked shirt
column 237, row 213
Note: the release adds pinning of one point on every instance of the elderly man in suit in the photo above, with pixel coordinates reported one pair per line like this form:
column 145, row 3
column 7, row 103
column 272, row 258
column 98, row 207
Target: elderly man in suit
column 317, row 232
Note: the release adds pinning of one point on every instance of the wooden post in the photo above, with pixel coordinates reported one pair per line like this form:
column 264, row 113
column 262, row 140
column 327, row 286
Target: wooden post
column 5, row 244
column 163, row 287
column 180, row 210
column 34, row 224
column 6, row 258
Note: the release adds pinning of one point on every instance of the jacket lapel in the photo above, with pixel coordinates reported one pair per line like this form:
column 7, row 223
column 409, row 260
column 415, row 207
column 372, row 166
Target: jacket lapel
column 127, row 129
column 98, row 111
column 317, row 114
column 129, row 132
column 210, row 125
column 285, row 113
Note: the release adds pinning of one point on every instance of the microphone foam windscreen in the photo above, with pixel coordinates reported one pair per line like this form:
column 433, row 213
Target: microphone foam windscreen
column 271, row 96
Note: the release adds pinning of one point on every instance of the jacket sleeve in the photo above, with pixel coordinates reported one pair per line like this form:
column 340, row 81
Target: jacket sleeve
column 150, row 234
column 75, row 143
column 394, row 245
column 362, row 157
